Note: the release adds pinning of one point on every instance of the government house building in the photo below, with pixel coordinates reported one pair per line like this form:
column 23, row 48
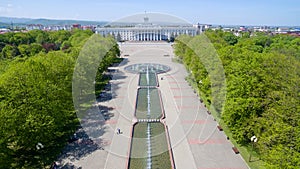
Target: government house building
column 149, row 32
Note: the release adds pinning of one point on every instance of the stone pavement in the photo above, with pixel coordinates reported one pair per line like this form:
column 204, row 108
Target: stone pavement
column 196, row 142
column 209, row 147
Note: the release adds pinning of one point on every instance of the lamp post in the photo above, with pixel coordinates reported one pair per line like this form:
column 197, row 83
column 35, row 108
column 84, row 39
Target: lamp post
column 40, row 146
column 253, row 140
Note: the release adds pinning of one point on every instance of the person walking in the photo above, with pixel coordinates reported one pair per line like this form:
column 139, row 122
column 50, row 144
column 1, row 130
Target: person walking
column 54, row 165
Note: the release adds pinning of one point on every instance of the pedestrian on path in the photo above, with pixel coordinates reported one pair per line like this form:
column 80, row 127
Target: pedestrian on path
column 54, row 165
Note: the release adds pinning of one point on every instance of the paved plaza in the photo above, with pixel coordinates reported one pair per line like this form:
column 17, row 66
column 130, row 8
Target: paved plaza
column 195, row 139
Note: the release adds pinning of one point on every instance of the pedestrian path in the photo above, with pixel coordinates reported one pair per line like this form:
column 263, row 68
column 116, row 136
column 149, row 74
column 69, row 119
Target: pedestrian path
column 194, row 137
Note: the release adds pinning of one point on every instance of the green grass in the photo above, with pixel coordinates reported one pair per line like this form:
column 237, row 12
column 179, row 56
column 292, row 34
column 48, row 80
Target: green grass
column 160, row 158
column 142, row 104
column 143, row 79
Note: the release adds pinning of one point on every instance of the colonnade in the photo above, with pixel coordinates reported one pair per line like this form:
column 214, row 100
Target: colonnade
column 147, row 34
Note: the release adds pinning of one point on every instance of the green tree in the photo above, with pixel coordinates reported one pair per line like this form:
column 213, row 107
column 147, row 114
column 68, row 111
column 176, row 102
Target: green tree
column 9, row 52
column 20, row 38
column 36, row 105
column 262, row 79
column 230, row 38
column 24, row 50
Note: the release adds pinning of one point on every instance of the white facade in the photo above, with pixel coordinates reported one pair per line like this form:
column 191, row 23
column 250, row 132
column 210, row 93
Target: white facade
column 147, row 32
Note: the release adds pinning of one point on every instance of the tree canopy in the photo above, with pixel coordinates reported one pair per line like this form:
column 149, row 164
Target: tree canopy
column 262, row 89
column 36, row 103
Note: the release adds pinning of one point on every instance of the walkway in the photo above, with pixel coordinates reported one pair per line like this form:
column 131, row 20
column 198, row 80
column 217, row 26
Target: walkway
column 196, row 141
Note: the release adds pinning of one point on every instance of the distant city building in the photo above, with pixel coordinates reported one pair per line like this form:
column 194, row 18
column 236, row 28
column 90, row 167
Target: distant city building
column 89, row 27
column 262, row 29
column 78, row 26
column 4, row 30
column 228, row 29
column 283, row 30
column 243, row 28
column 48, row 28
column 148, row 31
column 34, row 27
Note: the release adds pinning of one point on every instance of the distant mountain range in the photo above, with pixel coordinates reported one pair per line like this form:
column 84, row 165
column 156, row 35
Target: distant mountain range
column 7, row 21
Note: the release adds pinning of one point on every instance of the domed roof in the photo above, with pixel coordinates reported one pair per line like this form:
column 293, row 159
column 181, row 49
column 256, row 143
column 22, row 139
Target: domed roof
column 151, row 18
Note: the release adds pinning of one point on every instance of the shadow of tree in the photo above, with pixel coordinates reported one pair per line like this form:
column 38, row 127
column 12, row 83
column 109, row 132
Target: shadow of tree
column 80, row 145
column 108, row 92
column 88, row 138
column 69, row 166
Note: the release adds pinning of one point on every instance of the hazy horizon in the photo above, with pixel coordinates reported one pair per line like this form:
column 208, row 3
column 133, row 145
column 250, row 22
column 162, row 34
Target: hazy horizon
column 232, row 12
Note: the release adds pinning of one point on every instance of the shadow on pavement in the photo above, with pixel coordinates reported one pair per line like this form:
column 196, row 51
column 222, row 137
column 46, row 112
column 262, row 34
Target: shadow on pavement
column 108, row 92
column 69, row 166
column 89, row 137
column 79, row 145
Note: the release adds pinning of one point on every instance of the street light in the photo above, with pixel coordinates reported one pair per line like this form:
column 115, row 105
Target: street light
column 253, row 140
column 40, row 146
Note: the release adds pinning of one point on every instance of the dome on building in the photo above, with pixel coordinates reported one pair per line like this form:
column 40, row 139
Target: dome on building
column 151, row 18
column 148, row 27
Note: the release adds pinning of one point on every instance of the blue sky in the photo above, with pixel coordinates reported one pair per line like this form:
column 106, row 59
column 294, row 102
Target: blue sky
column 232, row 12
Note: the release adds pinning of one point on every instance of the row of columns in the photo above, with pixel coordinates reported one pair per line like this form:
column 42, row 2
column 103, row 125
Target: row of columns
column 146, row 35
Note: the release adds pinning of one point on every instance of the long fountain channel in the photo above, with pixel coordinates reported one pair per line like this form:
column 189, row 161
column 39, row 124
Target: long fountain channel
column 149, row 153
column 149, row 146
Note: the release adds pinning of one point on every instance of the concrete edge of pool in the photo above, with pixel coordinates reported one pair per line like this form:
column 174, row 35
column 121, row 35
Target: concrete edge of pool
column 149, row 122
